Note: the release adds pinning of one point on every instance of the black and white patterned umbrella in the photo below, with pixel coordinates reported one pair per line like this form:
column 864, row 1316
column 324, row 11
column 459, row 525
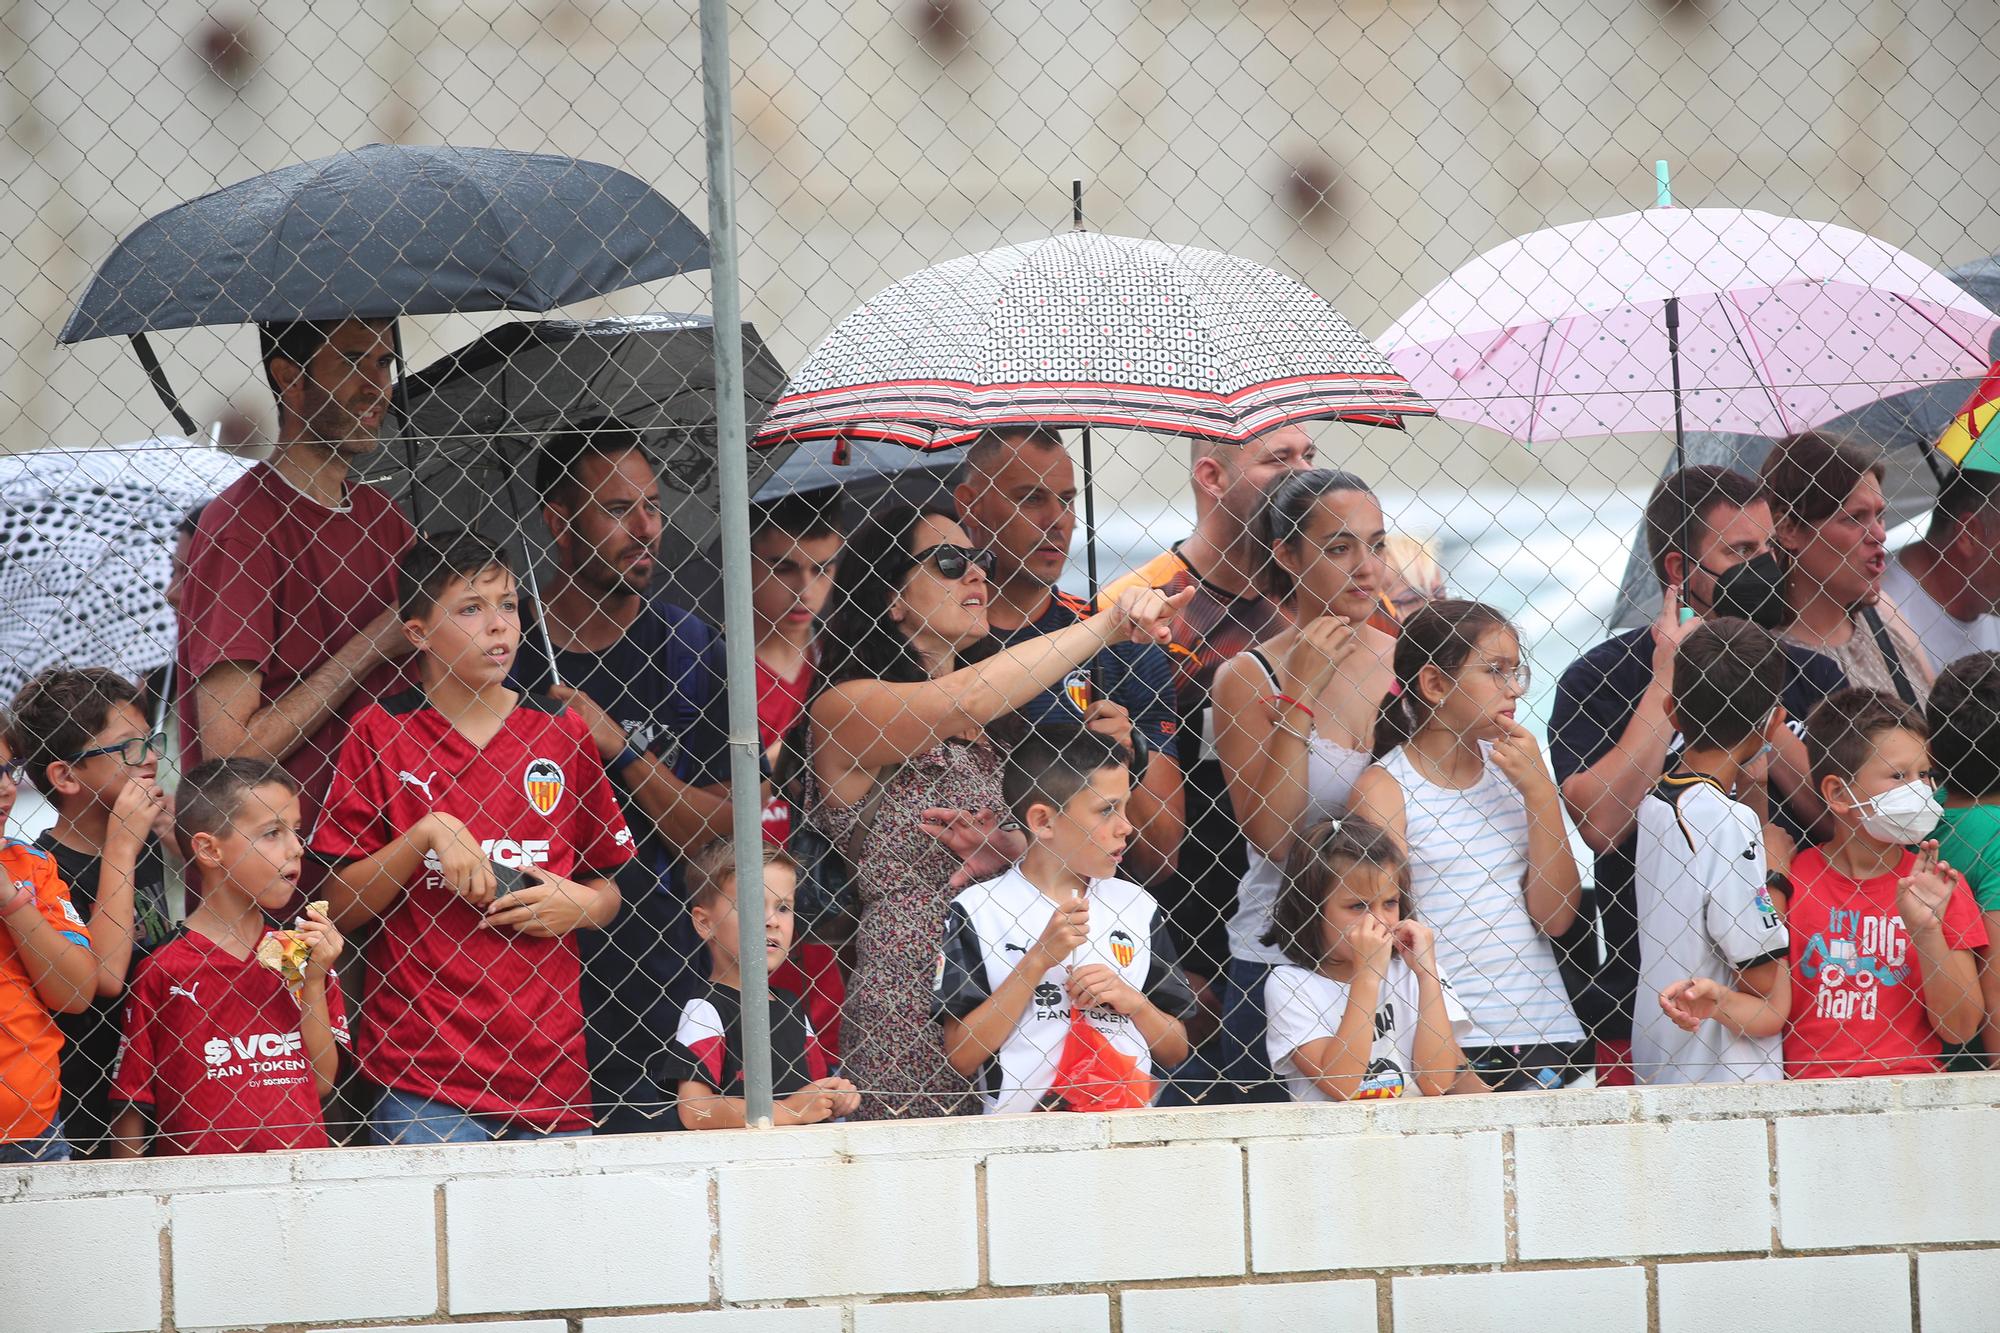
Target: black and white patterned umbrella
column 86, row 544
column 1086, row 329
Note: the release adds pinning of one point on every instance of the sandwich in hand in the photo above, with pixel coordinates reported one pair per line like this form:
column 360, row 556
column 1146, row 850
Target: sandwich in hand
column 286, row 951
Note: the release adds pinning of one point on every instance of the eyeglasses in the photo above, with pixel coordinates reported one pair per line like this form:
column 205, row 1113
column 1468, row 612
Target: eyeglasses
column 134, row 752
column 13, row 771
column 1517, row 676
column 952, row 561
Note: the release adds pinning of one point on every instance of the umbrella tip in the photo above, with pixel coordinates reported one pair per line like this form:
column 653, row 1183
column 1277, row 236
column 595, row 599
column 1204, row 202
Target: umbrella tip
column 1666, row 199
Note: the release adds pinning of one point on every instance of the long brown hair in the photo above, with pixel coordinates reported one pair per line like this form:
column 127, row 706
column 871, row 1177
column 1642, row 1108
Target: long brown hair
column 1442, row 634
column 1314, row 868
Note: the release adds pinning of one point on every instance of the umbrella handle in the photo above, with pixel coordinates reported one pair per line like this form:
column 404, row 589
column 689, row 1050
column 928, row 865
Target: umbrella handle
column 157, row 373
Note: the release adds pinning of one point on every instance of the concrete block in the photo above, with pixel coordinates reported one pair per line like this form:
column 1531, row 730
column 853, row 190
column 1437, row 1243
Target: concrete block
column 1269, row 1307
column 1114, row 1214
column 1911, row 1177
column 1863, row 1293
column 1013, row 1314
column 792, row 1230
column 1615, row 1191
column 1561, row 1300
column 600, row 1240
column 811, row 1319
column 306, row 1254
column 1956, row 1290
column 1373, row 1201
column 81, row 1265
column 502, row 1326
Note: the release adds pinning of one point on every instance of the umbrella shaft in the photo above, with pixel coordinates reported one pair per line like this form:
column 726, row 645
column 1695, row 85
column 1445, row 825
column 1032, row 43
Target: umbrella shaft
column 1674, row 366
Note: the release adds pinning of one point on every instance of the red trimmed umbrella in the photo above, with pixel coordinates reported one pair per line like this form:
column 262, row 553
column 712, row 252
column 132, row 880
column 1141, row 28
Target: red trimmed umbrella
column 1084, row 329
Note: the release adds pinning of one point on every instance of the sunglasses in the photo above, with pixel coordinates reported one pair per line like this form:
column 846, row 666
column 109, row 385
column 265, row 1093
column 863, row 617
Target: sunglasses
column 134, row 752
column 952, row 561
column 14, row 771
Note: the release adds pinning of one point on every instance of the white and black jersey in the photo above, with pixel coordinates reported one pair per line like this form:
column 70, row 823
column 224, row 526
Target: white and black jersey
column 1304, row 1007
column 1704, row 911
column 988, row 929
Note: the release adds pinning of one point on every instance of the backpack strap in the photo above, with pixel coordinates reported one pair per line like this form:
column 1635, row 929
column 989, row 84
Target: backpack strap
column 1891, row 655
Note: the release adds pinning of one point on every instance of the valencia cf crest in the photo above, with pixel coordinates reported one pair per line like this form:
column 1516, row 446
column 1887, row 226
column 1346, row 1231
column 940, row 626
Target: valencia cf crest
column 543, row 783
column 1123, row 948
column 1076, row 685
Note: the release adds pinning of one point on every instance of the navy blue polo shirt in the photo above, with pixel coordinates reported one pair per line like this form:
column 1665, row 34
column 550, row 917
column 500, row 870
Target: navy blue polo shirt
column 1137, row 676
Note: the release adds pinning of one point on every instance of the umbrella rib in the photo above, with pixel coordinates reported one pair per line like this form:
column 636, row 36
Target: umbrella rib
column 1535, row 404
column 1972, row 352
column 1746, row 338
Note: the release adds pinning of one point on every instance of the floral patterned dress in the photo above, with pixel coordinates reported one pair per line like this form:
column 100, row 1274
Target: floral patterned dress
column 891, row 1048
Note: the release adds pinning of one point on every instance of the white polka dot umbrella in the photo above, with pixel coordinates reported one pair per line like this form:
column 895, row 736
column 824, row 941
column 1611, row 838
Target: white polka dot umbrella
column 1086, row 329
column 1784, row 324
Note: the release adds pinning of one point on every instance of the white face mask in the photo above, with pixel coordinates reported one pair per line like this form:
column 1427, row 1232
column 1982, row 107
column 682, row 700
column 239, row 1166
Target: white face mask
column 1902, row 815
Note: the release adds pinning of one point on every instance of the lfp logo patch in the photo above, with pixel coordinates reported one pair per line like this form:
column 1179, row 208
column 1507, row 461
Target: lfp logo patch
column 544, row 784
column 1077, row 686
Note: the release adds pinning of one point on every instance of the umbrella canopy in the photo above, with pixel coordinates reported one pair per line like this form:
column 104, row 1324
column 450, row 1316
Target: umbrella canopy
column 1085, row 329
column 864, row 472
column 1972, row 439
column 390, row 230
column 88, row 539
column 1783, row 324
column 478, row 417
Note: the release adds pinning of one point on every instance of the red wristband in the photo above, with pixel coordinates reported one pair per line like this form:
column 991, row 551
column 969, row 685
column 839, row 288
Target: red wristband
column 1289, row 700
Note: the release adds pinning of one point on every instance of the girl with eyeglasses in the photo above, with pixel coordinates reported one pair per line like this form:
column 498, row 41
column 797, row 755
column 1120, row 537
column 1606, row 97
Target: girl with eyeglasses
column 902, row 777
column 1465, row 788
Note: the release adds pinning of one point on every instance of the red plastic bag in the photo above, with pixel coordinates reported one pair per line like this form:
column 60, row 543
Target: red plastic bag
column 1094, row 1075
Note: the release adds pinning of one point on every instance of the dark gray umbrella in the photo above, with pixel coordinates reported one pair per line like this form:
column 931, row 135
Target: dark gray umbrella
column 483, row 412
column 385, row 231
column 1903, row 426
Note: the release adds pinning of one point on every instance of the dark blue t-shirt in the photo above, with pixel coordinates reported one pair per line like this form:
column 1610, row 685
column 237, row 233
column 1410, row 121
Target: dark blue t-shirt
column 1594, row 703
column 1137, row 676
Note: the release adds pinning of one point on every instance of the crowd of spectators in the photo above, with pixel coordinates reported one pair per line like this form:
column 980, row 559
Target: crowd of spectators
column 1258, row 823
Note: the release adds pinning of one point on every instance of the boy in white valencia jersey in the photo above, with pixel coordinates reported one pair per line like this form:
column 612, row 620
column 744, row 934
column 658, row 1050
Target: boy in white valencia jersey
column 1058, row 931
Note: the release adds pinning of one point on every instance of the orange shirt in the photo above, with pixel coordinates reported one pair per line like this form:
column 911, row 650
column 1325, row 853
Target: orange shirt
column 30, row 1042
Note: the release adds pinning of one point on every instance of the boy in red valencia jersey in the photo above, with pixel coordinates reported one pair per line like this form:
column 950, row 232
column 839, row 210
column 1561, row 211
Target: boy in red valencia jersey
column 472, row 1024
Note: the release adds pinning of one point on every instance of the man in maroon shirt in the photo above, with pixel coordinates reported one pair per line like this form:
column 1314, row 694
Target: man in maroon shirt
column 289, row 624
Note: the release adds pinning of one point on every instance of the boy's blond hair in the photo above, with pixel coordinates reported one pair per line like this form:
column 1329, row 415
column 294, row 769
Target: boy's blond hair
column 713, row 869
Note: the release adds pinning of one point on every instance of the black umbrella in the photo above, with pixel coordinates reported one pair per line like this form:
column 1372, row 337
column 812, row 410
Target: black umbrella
column 385, row 231
column 484, row 411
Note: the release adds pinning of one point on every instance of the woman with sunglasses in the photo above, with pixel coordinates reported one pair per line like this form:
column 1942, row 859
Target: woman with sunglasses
column 898, row 731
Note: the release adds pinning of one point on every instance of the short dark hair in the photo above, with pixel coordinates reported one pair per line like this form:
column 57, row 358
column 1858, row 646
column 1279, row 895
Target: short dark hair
column 1050, row 765
column 979, row 455
column 802, row 516
column 190, row 521
column 1686, row 498
column 1281, row 519
column 57, row 713
column 713, row 869
column 211, row 793
column 1842, row 730
column 1807, row 477
column 434, row 562
column 298, row 342
column 1964, row 717
column 1728, row 676
column 1961, row 495
column 562, row 455
column 1313, row 869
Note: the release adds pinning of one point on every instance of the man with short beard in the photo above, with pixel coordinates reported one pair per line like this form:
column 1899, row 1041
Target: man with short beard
column 288, row 622
column 649, row 677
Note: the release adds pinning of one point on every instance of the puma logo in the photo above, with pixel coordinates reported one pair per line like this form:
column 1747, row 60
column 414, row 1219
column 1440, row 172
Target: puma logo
column 409, row 779
column 186, row 992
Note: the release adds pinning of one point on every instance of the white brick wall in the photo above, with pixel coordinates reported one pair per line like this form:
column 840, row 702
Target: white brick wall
column 1360, row 1202
column 608, row 1240
column 57, row 1260
column 1114, row 1214
column 1267, row 1307
column 1611, row 1191
column 310, row 1253
column 1936, row 1175
column 814, row 1229
column 1574, row 1300
column 1351, row 1216
column 1861, row 1293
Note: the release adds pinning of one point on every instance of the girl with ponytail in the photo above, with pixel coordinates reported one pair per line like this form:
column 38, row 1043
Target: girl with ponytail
column 1464, row 787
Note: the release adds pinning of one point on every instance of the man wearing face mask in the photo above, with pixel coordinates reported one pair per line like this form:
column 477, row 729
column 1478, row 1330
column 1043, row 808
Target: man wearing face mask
column 1610, row 737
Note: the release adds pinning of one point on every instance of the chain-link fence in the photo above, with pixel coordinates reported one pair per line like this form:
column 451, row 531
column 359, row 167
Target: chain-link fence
column 1294, row 552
